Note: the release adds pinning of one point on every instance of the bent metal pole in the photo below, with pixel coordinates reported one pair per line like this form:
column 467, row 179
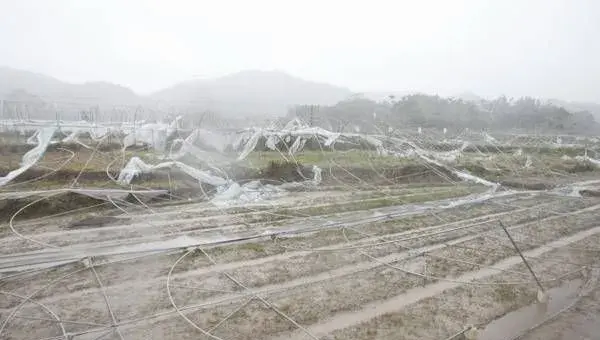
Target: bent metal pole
column 522, row 257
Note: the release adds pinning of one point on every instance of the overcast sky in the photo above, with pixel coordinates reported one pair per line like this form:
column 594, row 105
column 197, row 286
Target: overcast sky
column 544, row 48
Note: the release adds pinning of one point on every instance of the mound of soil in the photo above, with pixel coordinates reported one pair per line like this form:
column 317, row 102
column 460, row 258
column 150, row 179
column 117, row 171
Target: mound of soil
column 278, row 172
column 286, row 172
column 590, row 193
column 93, row 222
column 65, row 176
column 52, row 205
column 528, row 184
column 412, row 173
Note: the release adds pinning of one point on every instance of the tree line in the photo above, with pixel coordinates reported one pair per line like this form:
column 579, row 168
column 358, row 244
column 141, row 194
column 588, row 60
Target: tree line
column 428, row 111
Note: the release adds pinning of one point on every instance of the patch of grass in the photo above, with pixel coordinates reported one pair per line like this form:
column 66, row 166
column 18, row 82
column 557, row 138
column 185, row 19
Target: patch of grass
column 57, row 204
column 54, row 183
column 384, row 202
column 352, row 158
column 504, row 294
column 479, row 170
column 285, row 308
column 582, row 167
column 277, row 216
column 255, row 247
column 286, row 171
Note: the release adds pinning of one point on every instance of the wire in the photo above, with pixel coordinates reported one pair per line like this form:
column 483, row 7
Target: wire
column 103, row 290
column 193, row 324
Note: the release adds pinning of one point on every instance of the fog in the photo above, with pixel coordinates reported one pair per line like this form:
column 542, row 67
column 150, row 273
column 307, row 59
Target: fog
column 542, row 48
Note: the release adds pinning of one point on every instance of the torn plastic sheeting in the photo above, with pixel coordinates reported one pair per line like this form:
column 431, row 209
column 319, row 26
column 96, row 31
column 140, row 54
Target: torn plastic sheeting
column 332, row 139
column 271, row 142
column 28, row 126
column 43, row 137
column 32, row 140
column 317, row 175
column 329, row 137
column 241, row 139
column 471, row 178
column 448, row 156
column 155, row 134
column 405, row 153
column 213, row 139
column 294, row 124
column 316, row 180
column 586, row 158
column 248, row 193
column 475, row 198
column 208, row 138
column 187, row 145
column 233, row 191
column 174, row 126
column 136, row 166
column 255, row 191
column 273, row 137
column 314, row 131
column 298, row 145
column 250, row 144
column 201, row 176
column 489, row 139
column 205, row 157
column 461, row 174
column 378, row 144
column 96, row 133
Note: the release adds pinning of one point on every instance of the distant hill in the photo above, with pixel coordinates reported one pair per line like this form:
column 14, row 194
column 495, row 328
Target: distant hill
column 38, row 96
column 53, row 90
column 251, row 93
column 246, row 93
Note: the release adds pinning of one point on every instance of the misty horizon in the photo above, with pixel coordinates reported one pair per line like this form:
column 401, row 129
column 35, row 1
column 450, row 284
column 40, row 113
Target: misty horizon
column 183, row 81
column 543, row 49
column 381, row 94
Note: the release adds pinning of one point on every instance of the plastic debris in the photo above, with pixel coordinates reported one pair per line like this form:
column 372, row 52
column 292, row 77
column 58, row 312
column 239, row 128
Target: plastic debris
column 136, row 166
column 43, row 138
